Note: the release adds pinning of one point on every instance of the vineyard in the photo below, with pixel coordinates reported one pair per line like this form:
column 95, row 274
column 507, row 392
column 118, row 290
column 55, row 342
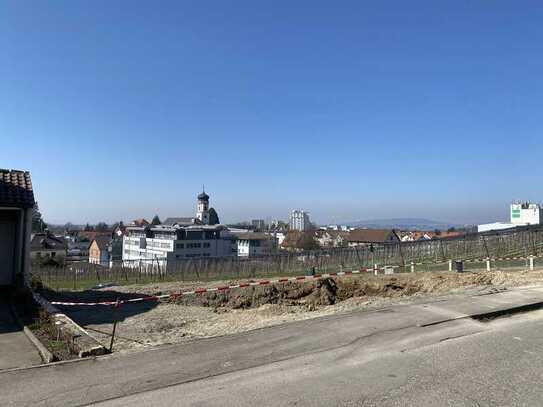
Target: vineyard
column 504, row 249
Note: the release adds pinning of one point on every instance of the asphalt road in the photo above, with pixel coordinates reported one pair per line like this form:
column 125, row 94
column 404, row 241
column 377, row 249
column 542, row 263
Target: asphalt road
column 501, row 365
column 430, row 354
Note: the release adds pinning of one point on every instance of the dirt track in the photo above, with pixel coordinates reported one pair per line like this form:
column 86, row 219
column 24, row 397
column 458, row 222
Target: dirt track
column 244, row 309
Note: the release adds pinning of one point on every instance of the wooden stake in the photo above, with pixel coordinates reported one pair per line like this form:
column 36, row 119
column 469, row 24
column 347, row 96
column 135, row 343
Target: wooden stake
column 117, row 306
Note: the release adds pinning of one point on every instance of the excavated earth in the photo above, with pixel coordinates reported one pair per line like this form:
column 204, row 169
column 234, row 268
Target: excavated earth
column 242, row 309
column 329, row 291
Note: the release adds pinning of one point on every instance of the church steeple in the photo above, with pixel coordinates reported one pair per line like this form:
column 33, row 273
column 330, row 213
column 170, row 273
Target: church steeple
column 202, row 211
column 203, row 196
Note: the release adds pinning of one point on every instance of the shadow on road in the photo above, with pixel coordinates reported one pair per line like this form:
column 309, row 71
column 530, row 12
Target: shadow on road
column 7, row 323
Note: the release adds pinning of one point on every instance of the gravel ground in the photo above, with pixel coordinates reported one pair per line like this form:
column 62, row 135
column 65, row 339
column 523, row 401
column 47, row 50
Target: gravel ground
column 151, row 324
column 172, row 323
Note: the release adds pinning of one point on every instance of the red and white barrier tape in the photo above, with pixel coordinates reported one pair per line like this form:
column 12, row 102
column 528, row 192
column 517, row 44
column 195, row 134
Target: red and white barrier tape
column 217, row 289
column 141, row 299
column 259, row 283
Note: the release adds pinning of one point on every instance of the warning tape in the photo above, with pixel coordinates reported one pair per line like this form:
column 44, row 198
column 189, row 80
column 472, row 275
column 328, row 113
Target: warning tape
column 196, row 291
column 253, row 283
column 120, row 302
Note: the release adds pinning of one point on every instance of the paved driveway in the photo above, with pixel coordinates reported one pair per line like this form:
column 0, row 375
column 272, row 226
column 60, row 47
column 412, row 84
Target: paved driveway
column 16, row 350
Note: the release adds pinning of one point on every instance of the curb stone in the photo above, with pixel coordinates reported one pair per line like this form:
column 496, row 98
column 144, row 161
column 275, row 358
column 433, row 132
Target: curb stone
column 87, row 344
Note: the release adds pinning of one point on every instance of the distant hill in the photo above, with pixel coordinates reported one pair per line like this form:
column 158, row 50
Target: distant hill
column 402, row 224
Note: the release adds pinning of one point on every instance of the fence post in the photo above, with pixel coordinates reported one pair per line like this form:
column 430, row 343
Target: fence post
column 532, row 263
column 488, row 264
column 412, row 267
column 376, row 269
column 450, row 265
column 117, row 317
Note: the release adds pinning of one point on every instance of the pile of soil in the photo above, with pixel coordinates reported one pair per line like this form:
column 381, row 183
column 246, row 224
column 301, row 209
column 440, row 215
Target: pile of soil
column 329, row 291
column 312, row 294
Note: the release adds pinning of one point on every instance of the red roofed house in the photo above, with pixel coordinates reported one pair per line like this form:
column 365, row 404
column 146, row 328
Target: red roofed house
column 16, row 203
column 364, row 237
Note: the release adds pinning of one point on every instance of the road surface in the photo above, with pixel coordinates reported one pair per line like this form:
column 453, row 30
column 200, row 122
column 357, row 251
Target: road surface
column 499, row 367
column 429, row 354
column 16, row 350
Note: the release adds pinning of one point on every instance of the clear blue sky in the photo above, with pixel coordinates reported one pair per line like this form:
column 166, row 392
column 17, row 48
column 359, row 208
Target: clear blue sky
column 350, row 109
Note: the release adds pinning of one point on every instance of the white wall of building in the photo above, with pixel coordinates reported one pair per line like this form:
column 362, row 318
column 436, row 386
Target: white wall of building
column 495, row 226
column 164, row 249
column 526, row 214
column 256, row 247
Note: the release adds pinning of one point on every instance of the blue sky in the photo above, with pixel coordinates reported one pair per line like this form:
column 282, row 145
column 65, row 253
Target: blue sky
column 351, row 109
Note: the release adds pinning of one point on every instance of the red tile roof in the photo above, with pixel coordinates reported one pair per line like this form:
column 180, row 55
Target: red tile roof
column 371, row 236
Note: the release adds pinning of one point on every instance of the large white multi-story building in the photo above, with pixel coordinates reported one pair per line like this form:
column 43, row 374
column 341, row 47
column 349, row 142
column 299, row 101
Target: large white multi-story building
column 165, row 244
column 177, row 239
column 526, row 213
column 299, row 220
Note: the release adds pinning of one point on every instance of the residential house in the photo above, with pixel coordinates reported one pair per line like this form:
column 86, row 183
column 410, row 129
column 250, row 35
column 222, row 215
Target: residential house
column 77, row 251
column 255, row 244
column 296, row 240
column 364, row 237
column 47, row 247
column 105, row 251
column 16, row 203
column 414, row 236
column 331, row 238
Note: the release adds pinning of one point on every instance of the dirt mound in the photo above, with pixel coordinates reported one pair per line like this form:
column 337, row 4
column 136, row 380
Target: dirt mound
column 326, row 291
column 329, row 291
column 314, row 293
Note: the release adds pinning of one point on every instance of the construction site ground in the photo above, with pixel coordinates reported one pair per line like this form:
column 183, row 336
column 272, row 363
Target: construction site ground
column 152, row 323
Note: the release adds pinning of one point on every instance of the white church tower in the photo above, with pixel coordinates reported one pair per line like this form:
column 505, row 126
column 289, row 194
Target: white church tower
column 202, row 212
